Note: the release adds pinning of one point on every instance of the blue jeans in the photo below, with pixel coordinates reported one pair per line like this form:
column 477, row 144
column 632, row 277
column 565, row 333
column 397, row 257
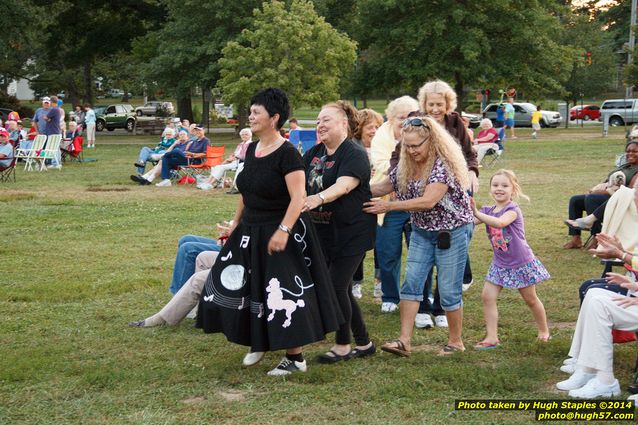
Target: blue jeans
column 171, row 160
column 145, row 155
column 423, row 254
column 388, row 248
column 188, row 248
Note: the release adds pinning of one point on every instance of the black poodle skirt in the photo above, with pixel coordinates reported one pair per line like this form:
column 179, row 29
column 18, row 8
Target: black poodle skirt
column 270, row 302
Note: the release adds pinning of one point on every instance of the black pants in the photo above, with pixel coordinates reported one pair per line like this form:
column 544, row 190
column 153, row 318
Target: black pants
column 341, row 272
column 587, row 203
column 599, row 283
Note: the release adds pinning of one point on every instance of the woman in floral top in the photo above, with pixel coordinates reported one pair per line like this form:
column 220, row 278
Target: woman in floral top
column 430, row 182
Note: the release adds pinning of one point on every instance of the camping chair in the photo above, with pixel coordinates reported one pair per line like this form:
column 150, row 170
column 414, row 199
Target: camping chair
column 214, row 156
column 29, row 155
column 73, row 151
column 493, row 156
column 304, row 140
column 9, row 172
column 51, row 150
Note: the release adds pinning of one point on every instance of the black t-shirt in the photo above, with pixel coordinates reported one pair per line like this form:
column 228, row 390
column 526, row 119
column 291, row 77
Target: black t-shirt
column 262, row 183
column 343, row 227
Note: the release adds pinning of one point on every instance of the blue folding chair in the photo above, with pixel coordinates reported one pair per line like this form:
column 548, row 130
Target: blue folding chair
column 303, row 139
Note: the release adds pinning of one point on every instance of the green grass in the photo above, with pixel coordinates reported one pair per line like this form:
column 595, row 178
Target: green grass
column 85, row 251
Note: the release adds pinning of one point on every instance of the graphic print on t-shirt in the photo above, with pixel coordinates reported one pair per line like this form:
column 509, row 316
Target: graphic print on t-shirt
column 499, row 238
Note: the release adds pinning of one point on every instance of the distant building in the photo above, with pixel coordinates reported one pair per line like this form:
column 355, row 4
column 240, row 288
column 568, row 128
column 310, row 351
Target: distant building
column 21, row 89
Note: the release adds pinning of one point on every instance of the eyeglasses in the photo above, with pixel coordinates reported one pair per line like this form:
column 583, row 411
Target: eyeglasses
column 415, row 122
column 414, row 147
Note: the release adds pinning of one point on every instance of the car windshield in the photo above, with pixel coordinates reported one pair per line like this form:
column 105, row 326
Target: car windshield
column 528, row 106
column 99, row 110
column 127, row 107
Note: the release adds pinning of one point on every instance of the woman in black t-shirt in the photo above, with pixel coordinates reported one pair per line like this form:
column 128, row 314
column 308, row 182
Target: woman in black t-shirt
column 269, row 288
column 338, row 175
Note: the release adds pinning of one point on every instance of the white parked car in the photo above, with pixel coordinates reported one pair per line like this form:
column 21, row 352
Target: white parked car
column 523, row 116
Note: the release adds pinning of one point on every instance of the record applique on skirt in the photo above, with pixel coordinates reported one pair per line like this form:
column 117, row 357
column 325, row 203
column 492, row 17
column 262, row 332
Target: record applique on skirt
column 270, row 302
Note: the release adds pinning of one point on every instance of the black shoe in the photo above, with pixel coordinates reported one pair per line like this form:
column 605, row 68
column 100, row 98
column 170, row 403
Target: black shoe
column 232, row 191
column 138, row 324
column 140, row 164
column 332, row 357
column 357, row 353
column 139, row 179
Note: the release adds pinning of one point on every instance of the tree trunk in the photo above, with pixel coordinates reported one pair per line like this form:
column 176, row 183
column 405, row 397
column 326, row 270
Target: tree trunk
column 242, row 117
column 458, row 87
column 206, row 105
column 88, row 83
column 566, row 113
column 184, row 106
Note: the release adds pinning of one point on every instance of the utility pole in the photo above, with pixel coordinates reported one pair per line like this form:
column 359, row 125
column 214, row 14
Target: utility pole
column 632, row 41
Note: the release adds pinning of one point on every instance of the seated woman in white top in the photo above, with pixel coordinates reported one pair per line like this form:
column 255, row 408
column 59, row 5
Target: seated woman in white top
column 486, row 139
column 234, row 162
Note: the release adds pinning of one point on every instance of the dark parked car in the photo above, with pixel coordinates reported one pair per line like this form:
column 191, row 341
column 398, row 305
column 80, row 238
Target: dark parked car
column 585, row 113
column 155, row 107
column 118, row 115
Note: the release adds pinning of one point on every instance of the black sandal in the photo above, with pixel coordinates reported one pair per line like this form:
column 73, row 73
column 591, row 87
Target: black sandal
column 334, row 358
column 358, row 353
column 399, row 350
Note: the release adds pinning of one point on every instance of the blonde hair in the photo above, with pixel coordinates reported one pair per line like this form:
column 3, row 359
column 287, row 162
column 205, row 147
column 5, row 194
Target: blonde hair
column 517, row 192
column 407, row 103
column 438, row 87
column 348, row 111
column 367, row 116
column 441, row 145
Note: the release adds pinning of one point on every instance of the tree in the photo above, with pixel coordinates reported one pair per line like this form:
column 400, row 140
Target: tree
column 482, row 44
column 291, row 48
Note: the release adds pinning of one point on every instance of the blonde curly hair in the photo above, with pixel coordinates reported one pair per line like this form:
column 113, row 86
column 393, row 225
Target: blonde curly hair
column 438, row 87
column 440, row 144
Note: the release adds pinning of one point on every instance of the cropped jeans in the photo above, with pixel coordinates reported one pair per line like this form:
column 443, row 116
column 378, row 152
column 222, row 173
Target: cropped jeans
column 388, row 249
column 188, row 248
column 424, row 253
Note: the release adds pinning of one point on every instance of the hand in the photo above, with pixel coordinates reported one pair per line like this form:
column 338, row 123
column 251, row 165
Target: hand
column 474, row 182
column 603, row 251
column 608, row 240
column 622, row 280
column 376, row 206
column 625, row 302
column 473, row 205
column 277, row 242
column 311, row 202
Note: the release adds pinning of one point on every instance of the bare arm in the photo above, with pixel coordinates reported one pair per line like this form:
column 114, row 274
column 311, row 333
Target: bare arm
column 432, row 194
column 382, row 188
column 296, row 184
column 342, row 186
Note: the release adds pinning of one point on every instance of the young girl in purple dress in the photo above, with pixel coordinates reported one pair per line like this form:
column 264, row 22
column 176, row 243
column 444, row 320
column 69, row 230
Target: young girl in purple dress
column 514, row 264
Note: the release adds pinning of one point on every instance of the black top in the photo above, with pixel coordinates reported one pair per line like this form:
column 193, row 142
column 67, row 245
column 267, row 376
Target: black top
column 344, row 229
column 262, row 183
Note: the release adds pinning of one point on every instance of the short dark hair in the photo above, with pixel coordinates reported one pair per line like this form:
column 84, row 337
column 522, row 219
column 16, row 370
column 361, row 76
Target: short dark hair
column 275, row 101
column 293, row 119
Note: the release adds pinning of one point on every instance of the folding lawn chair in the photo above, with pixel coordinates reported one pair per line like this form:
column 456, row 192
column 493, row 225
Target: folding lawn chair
column 8, row 173
column 493, row 156
column 74, row 151
column 214, row 156
column 50, row 151
column 29, row 155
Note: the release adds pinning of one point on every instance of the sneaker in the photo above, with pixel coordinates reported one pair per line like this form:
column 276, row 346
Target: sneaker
column 466, row 286
column 577, row 380
column 287, row 367
column 205, row 186
column 193, row 313
column 570, row 360
column 164, row 183
column 423, row 321
column 388, row 307
column 568, row 368
column 377, row 293
column 356, row 291
column 252, row 358
column 233, row 191
column 54, row 167
column 594, row 389
column 634, row 398
column 440, row 321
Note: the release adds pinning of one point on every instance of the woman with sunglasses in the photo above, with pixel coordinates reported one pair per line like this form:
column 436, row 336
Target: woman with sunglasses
column 430, row 182
column 338, row 175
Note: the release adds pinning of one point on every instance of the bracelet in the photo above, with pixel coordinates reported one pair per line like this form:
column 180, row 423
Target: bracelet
column 323, row 199
column 284, row 228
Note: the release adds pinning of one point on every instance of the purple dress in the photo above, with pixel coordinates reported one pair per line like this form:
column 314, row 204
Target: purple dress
column 514, row 264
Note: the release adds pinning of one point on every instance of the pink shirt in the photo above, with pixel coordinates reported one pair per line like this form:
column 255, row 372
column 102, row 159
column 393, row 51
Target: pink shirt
column 489, row 131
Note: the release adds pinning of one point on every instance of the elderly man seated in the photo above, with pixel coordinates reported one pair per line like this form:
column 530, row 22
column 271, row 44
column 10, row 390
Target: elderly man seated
column 155, row 154
column 233, row 162
column 181, row 144
column 6, row 149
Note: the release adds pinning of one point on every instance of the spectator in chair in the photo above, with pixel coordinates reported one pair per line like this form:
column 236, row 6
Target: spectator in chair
column 155, row 154
column 6, row 149
column 194, row 154
column 486, row 139
column 181, row 144
column 233, row 162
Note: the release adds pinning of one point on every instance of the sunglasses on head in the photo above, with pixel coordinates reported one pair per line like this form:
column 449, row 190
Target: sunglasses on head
column 415, row 122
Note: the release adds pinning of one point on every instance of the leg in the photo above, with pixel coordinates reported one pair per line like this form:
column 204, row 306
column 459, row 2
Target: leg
column 575, row 210
column 592, row 202
column 489, row 296
column 188, row 248
column 388, row 244
column 599, row 283
column 185, row 299
column 538, row 310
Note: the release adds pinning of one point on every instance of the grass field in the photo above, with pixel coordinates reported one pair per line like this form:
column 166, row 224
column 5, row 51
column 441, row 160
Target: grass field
column 85, row 251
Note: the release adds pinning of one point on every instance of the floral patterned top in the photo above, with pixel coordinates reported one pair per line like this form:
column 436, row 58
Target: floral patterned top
column 452, row 211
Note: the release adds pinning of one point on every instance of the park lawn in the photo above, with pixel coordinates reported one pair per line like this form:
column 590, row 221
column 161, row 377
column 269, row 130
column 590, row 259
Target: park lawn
column 85, row 251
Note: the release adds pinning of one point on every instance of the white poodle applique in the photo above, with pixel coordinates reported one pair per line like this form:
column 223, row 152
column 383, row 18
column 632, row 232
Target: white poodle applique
column 277, row 302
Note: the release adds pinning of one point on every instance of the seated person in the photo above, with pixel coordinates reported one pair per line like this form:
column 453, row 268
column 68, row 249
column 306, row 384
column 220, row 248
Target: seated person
column 6, row 149
column 194, row 154
column 155, row 154
column 14, row 133
column 67, row 141
column 181, row 144
column 486, row 139
column 233, row 162
column 598, row 195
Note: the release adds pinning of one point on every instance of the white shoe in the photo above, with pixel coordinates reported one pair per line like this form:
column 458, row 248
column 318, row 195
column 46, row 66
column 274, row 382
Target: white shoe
column 423, row 321
column 287, row 367
column 252, row 358
column 440, row 321
column 356, row 291
column 568, row 368
column 594, row 389
column 570, row 360
column 54, row 167
column 377, row 293
column 205, row 186
column 193, row 313
column 466, row 286
column 388, row 307
column 576, row 381
column 164, row 183
column 634, row 398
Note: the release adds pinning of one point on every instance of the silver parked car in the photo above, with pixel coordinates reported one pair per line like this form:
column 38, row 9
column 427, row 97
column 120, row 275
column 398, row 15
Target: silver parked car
column 155, row 107
column 620, row 111
column 523, row 116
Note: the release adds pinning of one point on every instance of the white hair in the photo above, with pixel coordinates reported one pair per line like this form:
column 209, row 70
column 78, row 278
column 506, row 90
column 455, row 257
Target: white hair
column 486, row 121
column 246, row 131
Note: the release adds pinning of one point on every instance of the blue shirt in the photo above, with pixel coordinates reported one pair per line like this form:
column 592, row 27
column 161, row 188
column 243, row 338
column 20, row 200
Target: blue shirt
column 6, row 149
column 500, row 114
column 199, row 146
column 39, row 119
column 89, row 118
column 53, row 124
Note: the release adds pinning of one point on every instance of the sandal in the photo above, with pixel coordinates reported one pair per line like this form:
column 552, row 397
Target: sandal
column 544, row 338
column 578, row 224
column 450, row 349
column 572, row 245
column 332, row 357
column 397, row 350
column 486, row 345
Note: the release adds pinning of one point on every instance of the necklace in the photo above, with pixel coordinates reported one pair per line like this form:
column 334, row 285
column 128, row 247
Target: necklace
column 264, row 150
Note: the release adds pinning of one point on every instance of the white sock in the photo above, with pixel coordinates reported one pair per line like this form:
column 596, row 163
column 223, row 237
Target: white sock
column 606, row 378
